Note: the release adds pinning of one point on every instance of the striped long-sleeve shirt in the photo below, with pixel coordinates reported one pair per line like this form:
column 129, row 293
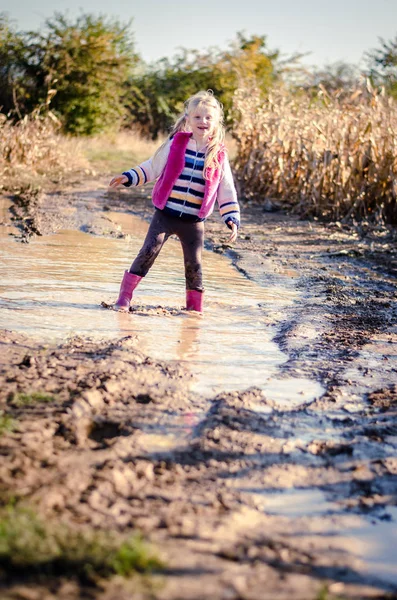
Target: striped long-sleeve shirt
column 187, row 193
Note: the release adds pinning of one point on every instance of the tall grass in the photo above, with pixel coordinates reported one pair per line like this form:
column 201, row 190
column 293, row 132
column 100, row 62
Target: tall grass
column 332, row 157
column 33, row 149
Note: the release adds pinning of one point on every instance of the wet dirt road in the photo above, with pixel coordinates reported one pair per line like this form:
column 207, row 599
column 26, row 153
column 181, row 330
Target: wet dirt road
column 255, row 446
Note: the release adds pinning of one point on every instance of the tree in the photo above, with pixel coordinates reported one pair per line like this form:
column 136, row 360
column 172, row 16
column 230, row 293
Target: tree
column 156, row 95
column 13, row 83
column 85, row 63
column 78, row 67
column 338, row 76
column 248, row 60
column 382, row 64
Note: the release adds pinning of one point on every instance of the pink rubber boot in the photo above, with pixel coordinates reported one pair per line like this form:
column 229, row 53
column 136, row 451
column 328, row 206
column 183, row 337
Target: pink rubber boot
column 194, row 300
column 127, row 287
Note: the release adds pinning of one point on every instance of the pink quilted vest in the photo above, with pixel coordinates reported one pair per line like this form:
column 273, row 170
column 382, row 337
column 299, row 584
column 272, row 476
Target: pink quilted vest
column 174, row 167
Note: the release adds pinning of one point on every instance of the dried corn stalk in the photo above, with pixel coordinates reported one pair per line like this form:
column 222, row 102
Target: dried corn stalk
column 330, row 157
column 34, row 146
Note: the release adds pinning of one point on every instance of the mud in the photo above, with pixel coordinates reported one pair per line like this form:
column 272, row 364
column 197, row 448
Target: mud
column 245, row 494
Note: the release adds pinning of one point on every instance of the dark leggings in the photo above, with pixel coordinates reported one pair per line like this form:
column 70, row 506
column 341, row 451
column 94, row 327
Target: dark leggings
column 191, row 236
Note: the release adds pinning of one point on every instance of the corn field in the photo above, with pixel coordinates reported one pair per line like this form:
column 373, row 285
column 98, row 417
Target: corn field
column 332, row 157
column 32, row 147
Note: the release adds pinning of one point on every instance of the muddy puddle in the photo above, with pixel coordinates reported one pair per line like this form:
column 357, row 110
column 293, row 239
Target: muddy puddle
column 320, row 477
column 52, row 290
column 371, row 543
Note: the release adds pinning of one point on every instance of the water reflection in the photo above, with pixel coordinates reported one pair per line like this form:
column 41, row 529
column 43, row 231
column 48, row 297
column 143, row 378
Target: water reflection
column 52, row 289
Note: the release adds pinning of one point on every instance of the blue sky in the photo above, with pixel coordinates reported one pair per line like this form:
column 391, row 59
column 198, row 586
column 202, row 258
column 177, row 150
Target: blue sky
column 331, row 30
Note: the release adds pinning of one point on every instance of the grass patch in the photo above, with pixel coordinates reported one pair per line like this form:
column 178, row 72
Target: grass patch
column 324, row 595
column 7, row 423
column 31, row 545
column 117, row 152
column 24, row 399
column 109, row 161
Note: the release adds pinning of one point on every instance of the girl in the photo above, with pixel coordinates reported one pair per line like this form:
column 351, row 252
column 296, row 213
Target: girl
column 192, row 171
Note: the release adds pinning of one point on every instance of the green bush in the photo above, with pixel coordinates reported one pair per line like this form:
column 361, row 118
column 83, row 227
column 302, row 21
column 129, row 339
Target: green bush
column 155, row 96
column 86, row 71
column 383, row 65
column 13, row 81
column 84, row 64
column 78, row 67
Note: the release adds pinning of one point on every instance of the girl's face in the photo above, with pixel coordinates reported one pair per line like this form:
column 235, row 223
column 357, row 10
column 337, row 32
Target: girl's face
column 202, row 121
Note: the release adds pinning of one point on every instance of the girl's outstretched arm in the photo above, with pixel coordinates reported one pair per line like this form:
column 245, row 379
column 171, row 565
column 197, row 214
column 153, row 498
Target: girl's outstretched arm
column 147, row 171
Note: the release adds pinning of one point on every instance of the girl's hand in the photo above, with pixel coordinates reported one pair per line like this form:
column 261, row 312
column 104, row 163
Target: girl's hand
column 233, row 236
column 116, row 181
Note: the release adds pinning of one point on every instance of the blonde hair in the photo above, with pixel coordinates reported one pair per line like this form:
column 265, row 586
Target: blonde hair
column 216, row 142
